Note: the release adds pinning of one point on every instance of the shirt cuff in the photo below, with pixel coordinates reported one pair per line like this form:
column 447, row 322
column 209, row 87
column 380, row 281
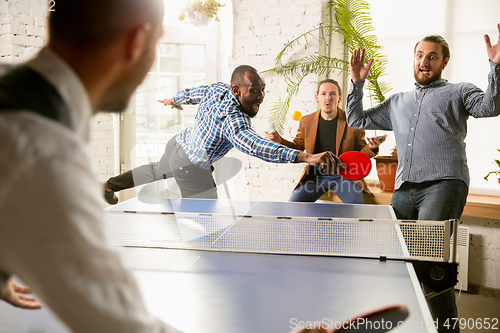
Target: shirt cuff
column 289, row 155
column 175, row 99
column 357, row 88
column 495, row 66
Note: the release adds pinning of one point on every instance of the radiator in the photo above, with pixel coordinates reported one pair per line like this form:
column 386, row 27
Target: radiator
column 463, row 258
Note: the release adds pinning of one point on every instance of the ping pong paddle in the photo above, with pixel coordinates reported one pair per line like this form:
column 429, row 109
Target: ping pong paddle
column 358, row 165
column 378, row 321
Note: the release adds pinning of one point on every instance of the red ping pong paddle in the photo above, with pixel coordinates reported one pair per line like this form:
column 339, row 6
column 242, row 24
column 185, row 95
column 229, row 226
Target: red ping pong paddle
column 358, row 165
column 378, row 321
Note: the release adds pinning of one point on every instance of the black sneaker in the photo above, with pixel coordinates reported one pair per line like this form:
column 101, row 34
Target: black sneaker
column 110, row 197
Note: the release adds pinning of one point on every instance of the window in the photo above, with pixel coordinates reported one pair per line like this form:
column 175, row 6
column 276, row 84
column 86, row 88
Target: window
column 186, row 57
column 177, row 67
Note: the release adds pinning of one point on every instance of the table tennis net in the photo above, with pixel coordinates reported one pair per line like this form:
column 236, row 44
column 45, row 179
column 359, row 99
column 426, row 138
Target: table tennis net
column 391, row 239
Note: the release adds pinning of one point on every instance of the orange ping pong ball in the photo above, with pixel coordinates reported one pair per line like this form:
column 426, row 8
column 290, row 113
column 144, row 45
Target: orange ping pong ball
column 296, row 115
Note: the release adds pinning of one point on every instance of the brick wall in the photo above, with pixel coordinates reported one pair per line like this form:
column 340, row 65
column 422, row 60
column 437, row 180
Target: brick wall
column 104, row 144
column 22, row 32
column 261, row 29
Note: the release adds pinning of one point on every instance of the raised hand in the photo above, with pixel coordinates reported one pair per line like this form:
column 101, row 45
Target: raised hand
column 493, row 51
column 359, row 72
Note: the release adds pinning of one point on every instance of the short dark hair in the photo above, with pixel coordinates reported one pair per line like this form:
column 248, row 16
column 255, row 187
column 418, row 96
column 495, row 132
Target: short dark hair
column 438, row 40
column 329, row 81
column 239, row 74
column 94, row 24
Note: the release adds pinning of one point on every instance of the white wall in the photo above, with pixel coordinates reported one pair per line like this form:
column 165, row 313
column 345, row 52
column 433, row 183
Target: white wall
column 22, row 33
column 484, row 256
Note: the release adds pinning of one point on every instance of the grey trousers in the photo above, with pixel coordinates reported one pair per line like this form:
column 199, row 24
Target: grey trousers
column 193, row 181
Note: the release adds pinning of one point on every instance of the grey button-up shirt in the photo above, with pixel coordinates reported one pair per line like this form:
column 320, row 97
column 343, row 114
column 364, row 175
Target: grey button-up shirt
column 429, row 123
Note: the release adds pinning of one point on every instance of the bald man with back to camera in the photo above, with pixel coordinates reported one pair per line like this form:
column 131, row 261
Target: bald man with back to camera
column 52, row 227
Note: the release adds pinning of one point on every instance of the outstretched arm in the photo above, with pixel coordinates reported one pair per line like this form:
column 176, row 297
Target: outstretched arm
column 493, row 51
column 190, row 96
column 325, row 160
column 359, row 72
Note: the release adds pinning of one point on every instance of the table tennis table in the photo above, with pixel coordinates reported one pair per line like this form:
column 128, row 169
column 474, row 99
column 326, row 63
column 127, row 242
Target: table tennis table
column 200, row 288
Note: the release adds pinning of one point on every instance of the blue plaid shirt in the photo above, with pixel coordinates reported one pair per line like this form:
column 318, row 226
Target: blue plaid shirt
column 430, row 125
column 220, row 125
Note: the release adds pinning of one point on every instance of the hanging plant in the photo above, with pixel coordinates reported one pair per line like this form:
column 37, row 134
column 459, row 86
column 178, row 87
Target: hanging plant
column 200, row 12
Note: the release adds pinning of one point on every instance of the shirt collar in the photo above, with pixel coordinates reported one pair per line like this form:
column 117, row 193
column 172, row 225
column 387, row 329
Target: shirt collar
column 437, row 83
column 60, row 74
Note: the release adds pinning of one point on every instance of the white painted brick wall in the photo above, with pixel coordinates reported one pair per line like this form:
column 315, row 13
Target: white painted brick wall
column 104, row 144
column 261, row 29
column 20, row 36
column 484, row 257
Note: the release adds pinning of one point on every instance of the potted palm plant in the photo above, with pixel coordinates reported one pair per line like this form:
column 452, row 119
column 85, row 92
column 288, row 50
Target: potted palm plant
column 496, row 172
column 351, row 19
column 200, row 12
column 386, row 170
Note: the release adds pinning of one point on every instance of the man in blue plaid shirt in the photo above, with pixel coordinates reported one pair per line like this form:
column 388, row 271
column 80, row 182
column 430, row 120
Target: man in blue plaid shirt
column 222, row 122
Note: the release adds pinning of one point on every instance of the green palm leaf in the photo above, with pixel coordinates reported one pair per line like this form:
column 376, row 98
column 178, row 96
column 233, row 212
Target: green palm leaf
column 353, row 21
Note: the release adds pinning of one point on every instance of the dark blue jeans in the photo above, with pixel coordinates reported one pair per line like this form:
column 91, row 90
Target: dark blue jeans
column 436, row 201
column 313, row 187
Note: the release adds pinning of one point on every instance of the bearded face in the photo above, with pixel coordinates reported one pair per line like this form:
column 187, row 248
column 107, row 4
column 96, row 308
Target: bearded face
column 428, row 64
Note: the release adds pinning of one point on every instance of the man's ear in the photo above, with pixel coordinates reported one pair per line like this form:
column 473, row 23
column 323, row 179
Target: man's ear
column 236, row 90
column 137, row 41
column 445, row 62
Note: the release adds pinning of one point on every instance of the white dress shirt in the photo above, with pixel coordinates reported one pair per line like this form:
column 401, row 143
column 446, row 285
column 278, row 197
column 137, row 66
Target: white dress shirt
column 51, row 218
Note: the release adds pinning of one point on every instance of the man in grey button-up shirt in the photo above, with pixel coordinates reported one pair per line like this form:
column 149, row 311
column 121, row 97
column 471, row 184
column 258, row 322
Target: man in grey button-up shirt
column 430, row 125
